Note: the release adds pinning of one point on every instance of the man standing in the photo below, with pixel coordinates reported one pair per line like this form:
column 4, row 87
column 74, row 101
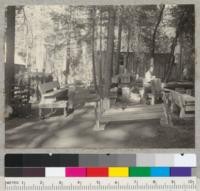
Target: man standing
column 147, row 80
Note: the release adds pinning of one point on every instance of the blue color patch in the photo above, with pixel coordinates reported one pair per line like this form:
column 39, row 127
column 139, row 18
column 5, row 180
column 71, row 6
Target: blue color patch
column 160, row 171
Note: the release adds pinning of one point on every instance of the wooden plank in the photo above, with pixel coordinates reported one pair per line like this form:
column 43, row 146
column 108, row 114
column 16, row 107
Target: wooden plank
column 134, row 117
column 55, row 93
column 48, row 86
column 135, row 109
column 131, row 114
column 57, row 104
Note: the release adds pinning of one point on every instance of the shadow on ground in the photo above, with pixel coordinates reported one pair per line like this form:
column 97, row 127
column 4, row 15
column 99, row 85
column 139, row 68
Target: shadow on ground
column 77, row 132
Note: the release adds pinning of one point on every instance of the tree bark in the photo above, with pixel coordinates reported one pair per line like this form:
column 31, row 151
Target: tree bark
column 101, row 63
column 109, row 52
column 68, row 51
column 174, row 43
column 119, row 44
column 93, row 48
column 171, row 58
column 155, row 32
column 68, row 59
column 128, row 47
column 10, row 53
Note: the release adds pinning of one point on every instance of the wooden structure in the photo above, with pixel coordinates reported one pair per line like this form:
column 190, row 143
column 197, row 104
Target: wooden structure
column 185, row 102
column 53, row 97
column 20, row 100
column 138, row 112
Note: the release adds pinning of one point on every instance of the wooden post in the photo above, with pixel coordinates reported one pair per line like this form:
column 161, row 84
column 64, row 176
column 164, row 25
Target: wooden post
column 98, row 126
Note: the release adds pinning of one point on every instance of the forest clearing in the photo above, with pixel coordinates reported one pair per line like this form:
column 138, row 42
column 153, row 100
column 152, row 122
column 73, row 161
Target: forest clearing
column 100, row 76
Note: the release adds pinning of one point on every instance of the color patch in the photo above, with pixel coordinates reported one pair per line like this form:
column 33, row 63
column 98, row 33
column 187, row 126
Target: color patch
column 97, row 172
column 88, row 160
column 160, row 171
column 164, row 160
column 185, row 160
column 33, row 172
column 118, row 171
column 55, row 172
column 139, row 171
column 41, row 160
column 144, row 160
column 75, row 172
column 13, row 172
column 180, row 171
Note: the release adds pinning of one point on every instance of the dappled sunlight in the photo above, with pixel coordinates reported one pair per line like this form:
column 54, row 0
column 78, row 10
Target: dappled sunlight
column 115, row 135
column 147, row 132
column 78, row 132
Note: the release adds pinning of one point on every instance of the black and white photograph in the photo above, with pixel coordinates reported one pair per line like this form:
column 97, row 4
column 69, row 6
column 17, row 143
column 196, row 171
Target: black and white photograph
column 99, row 76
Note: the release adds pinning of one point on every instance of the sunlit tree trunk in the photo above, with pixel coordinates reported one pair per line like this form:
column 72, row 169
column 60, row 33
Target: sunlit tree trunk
column 109, row 52
column 101, row 63
column 128, row 47
column 119, row 43
column 68, row 59
column 68, row 49
column 93, row 48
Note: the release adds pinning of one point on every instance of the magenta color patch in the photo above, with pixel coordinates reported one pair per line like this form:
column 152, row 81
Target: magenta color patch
column 75, row 172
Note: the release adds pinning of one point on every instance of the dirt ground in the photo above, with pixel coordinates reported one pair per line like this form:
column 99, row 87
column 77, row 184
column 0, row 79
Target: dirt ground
column 76, row 131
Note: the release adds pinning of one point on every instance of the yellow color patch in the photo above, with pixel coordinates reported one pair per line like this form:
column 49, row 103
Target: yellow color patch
column 118, row 171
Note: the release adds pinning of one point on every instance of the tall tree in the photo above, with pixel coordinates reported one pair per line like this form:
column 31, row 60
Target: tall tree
column 119, row 39
column 93, row 10
column 128, row 46
column 68, row 44
column 109, row 52
column 155, row 32
column 184, row 25
column 101, row 54
column 10, row 52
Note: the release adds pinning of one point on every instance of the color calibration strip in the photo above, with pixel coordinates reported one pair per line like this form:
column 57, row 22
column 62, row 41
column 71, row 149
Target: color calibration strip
column 99, row 160
column 99, row 172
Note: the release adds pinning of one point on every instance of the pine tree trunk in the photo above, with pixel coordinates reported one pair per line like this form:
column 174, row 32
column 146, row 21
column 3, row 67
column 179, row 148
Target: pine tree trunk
column 93, row 49
column 173, row 46
column 171, row 58
column 68, row 59
column 10, row 53
column 101, row 63
column 128, row 48
column 119, row 44
column 155, row 32
column 68, row 51
column 109, row 52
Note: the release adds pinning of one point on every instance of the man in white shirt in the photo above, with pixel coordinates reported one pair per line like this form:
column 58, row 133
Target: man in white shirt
column 149, row 75
column 147, row 81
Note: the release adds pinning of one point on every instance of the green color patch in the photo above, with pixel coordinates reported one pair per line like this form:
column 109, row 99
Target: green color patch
column 139, row 171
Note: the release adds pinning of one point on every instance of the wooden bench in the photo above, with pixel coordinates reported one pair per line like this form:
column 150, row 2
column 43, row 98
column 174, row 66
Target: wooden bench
column 53, row 97
column 185, row 102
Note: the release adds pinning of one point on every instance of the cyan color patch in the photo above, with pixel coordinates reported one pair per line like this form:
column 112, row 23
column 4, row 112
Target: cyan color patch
column 160, row 171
